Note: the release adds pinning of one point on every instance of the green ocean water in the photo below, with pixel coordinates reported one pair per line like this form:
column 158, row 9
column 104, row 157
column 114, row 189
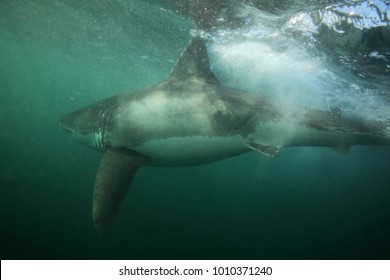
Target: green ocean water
column 57, row 56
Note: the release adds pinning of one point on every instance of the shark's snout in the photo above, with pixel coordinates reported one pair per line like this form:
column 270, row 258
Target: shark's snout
column 61, row 123
column 65, row 124
column 83, row 126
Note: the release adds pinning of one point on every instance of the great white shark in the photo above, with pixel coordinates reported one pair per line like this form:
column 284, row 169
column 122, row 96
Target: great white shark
column 191, row 119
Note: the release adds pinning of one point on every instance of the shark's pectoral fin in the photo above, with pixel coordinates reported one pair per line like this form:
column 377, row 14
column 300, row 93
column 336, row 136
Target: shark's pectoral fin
column 271, row 151
column 116, row 171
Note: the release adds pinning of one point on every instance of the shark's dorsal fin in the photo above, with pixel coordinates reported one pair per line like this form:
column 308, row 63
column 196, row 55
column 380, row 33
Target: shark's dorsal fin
column 194, row 63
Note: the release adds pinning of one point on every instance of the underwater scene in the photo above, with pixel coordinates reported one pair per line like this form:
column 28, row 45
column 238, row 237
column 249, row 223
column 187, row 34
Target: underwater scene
column 278, row 197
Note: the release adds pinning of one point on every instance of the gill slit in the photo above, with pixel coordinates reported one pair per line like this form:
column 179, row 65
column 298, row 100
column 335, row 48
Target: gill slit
column 102, row 128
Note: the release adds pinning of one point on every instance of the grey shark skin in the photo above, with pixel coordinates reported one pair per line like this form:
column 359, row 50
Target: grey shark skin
column 191, row 119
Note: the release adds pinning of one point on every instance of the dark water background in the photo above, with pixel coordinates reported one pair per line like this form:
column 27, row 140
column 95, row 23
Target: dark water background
column 310, row 203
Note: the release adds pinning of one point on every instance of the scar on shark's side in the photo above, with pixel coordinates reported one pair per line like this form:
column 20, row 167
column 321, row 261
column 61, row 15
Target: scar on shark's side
column 191, row 119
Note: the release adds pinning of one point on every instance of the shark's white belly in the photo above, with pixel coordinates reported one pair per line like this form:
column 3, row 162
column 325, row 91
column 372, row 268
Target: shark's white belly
column 191, row 150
